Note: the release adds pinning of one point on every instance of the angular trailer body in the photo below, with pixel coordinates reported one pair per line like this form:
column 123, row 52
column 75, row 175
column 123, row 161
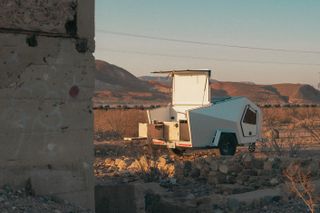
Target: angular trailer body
column 193, row 121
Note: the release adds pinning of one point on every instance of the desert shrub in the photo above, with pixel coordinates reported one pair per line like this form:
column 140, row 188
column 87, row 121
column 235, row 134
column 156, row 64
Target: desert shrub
column 300, row 185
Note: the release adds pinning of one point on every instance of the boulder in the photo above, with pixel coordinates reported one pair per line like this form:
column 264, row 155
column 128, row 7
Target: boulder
column 109, row 162
column 204, row 172
column 265, row 196
column 258, row 164
column 195, row 173
column 190, row 196
column 209, row 159
column 199, row 163
column 213, row 165
column 223, row 168
column 230, row 179
column 274, row 181
column 267, row 165
column 216, row 178
column 187, row 168
column 230, row 168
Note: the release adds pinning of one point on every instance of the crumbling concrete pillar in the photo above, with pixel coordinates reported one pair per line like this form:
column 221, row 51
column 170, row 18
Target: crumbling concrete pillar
column 46, row 86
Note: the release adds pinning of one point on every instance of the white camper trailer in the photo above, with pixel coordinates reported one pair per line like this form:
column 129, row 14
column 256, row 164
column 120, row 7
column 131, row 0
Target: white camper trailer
column 193, row 121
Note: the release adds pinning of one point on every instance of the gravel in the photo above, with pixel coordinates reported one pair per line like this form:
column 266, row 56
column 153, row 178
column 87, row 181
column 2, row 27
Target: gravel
column 16, row 201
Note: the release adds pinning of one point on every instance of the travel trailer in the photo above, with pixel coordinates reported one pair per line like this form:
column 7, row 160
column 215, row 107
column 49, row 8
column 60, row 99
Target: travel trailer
column 192, row 120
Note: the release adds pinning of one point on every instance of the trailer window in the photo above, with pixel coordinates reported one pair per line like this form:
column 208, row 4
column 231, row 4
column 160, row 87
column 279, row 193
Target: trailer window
column 250, row 117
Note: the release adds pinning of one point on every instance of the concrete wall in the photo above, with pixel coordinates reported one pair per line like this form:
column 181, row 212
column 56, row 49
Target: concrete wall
column 46, row 86
column 138, row 198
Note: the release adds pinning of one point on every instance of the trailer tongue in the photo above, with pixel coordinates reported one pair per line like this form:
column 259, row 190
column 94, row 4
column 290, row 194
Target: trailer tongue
column 193, row 121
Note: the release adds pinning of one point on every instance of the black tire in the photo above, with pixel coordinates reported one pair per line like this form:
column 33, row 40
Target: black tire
column 252, row 147
column 227, row 144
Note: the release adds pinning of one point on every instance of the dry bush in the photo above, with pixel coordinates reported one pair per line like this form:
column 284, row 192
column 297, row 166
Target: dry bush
column 149, row 168
column 300, row 185
column 273, row 144
column 281, row 146
column 309, row 120
column 289, row 130
column 294, row 147
column 276, row 116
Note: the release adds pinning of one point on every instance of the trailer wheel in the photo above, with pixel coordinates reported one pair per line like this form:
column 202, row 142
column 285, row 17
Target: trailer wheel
column 252, row 147
column 227, row 144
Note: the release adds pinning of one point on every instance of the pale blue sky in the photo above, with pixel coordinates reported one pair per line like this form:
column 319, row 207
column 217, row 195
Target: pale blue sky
column 288, row 24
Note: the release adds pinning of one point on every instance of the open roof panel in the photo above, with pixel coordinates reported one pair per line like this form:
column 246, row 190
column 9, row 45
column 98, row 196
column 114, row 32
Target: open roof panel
column 188, row 71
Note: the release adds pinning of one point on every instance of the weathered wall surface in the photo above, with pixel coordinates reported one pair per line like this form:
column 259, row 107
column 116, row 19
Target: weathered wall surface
column 46, row 85
column 42, row 15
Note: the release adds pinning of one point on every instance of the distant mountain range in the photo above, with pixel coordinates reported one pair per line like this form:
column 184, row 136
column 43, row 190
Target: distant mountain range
column 115, row 85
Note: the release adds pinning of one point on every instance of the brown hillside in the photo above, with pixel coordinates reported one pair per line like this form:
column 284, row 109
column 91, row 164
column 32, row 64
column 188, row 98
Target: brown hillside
column 257, row 93
column 112, row 75
column 299, row 93
column 115, row 85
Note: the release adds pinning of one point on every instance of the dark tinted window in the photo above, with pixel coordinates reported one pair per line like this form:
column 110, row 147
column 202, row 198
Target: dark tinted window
column 250, row 117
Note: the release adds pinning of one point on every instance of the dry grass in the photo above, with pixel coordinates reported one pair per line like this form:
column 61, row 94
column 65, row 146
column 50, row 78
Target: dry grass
column 285, row 127
column 285, row 116
column 124, row 122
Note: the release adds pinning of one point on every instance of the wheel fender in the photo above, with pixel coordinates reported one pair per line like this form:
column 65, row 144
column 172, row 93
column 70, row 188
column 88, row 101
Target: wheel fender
column 218, row 134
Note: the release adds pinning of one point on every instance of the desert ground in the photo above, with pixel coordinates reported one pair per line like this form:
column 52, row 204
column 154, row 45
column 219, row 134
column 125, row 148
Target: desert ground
column 281, row 176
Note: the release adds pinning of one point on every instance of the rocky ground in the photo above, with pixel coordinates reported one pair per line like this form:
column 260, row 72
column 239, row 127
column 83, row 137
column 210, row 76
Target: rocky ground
column 203, row 179
column 23, row 201
column 197, row 181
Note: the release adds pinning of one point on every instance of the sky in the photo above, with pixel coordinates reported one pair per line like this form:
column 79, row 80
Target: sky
column 275, row 24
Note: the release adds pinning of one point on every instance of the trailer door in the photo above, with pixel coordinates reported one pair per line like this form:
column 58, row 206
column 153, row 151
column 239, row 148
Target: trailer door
column 249, row 122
